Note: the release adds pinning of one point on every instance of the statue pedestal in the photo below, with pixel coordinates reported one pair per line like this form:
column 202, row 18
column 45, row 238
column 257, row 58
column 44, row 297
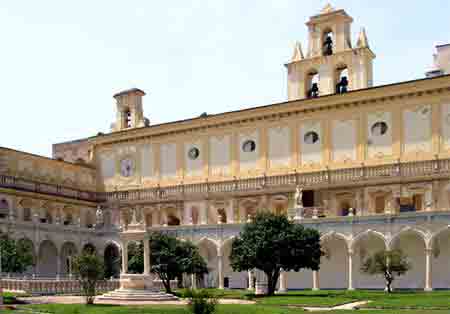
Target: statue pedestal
column 136, row 282
column 137, row 288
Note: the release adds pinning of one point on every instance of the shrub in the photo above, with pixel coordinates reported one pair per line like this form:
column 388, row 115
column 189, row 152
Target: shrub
column 201, row 302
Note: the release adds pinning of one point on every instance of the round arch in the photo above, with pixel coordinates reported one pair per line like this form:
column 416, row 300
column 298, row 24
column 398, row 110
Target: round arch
column 364, row 245
column 334, row 264
column 112, row 259
column 68, row 251
column 47, row 259
column 411, row 242
column 232, row 279
column 26, row 244
column 440, row 250
column 208, row 249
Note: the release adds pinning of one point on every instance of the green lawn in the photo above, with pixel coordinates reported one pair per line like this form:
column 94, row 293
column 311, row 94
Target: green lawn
column 399, row 302
column 222, row 309
column 326, row 298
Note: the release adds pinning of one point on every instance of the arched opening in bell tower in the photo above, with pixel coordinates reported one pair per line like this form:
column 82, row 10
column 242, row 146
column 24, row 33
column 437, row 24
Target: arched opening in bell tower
column 312, row 84
column 328, row 42
column 127, row 117
column 342, row 79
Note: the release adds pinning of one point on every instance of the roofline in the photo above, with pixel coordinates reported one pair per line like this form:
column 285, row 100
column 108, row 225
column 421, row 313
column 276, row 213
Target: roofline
column 45, row 157
column 130, row 91
column 443, row 45
column 74, row 141
column 271, row 105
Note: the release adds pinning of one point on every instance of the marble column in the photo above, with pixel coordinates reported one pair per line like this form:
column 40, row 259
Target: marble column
column 193, row 281
column 350, row 270
column 58, row 266
column 146, row 257
column 124, row 257
column 220, row 271
column 283, row 282
column 250, row 280
column 428, row 271
column 316, row 285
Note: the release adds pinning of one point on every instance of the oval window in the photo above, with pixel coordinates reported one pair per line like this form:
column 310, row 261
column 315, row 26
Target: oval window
column 379, row 128
column 311, row 137
column 193, row 153
column 249, row 146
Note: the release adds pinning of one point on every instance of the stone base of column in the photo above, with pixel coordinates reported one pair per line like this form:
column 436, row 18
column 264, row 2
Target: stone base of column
column 315, row 289
column 283, row 290
column 428, row 289
column 351, row 289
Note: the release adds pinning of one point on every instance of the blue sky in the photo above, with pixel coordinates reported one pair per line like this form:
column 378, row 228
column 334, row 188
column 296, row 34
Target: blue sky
column 61, row 61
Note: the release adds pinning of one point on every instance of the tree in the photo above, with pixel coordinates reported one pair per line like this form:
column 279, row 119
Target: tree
column 387, row 264
column 171, row 258
column 89, row 269
column 136, row 255
column 272, row 243
column 16, row 256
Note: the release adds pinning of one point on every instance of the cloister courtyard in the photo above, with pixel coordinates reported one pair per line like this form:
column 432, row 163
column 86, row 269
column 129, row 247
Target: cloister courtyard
column 402, row 302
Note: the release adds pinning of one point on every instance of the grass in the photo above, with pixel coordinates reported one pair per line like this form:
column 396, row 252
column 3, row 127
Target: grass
column 399, row 302
column 222, row 309
column 328, row 298
column 167, row 309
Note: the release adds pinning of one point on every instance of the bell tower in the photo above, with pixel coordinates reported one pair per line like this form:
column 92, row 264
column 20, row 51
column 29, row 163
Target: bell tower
column 129, row 110
column 331, row 65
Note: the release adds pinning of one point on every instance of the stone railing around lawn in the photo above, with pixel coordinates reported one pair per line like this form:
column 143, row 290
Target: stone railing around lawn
column 52, row 286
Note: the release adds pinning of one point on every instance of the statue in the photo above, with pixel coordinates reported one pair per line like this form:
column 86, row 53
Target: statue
column 328, row 46
column 313, row 91
column 298, row 202
column 298, row 196
column 99, row 216
column 342, row 86
column 133, row 217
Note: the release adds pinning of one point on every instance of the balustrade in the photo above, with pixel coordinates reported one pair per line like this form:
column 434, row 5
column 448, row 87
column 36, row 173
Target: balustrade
column 53, row 286
column 318, row 178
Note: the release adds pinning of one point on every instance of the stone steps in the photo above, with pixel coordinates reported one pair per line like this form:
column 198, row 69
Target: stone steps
column 137, row 295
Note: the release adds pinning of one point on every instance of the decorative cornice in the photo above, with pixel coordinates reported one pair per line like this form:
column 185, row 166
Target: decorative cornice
column 241, row 118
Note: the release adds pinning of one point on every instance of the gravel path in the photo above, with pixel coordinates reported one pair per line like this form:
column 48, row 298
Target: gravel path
column 347, row 306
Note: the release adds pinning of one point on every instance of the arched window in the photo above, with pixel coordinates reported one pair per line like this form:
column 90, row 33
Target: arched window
column 312, row 86
column 127, row 117
column 342, row 80
column 328, row 42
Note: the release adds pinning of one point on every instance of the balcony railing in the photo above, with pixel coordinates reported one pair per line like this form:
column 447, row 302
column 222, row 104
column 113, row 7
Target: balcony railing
column 395, row 172
column 46, row 188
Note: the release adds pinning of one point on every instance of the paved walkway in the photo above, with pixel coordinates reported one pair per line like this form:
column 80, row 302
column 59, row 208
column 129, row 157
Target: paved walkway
column 79, row 300
column 347, row 306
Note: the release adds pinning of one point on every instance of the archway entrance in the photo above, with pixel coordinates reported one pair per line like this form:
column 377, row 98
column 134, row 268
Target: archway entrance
column 112, row 261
